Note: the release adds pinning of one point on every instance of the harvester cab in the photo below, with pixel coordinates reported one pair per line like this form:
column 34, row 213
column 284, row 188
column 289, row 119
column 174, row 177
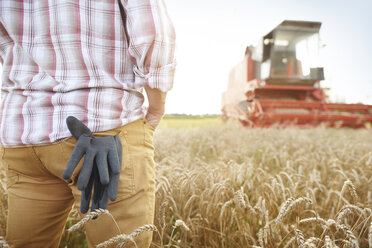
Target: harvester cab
column 290, row 54
column 278, row 82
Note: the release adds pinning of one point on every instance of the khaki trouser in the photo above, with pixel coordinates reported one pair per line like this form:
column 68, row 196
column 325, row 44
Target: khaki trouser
column 39, row 199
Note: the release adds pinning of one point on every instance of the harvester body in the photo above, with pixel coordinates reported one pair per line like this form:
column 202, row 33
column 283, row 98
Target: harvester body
column 278, row 83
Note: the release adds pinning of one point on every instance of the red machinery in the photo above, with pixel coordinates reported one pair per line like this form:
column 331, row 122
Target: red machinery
column 278, row 82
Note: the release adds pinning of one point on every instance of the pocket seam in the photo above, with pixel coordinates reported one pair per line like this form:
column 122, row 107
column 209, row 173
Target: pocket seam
column 151, row 127
column 6, row 167
column 123, row 135
column 11, row 180
column 148, row 135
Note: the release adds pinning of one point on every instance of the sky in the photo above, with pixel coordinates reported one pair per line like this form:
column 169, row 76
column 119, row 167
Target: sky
column 212, row 36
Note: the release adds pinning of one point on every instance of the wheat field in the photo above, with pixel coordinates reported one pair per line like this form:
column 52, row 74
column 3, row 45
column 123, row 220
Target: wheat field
column 229, row 186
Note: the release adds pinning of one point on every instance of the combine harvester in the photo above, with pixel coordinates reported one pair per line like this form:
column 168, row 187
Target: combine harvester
column 278, row 83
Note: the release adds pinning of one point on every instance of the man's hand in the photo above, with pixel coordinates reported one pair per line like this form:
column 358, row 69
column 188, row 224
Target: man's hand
column 156, row 106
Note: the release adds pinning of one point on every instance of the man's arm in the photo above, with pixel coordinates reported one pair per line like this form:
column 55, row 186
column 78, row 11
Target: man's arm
column 151, row 39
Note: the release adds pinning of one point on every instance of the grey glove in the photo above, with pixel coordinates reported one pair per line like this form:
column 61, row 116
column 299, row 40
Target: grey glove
column 101, row 166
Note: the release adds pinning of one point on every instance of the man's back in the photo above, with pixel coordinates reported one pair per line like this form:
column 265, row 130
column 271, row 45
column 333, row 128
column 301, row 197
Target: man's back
column 78, row 58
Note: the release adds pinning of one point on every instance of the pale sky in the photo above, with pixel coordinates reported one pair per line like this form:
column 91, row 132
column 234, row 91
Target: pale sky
column 212, row 36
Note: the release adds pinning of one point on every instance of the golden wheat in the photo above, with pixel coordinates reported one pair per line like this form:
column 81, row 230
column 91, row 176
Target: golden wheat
column 238, row 187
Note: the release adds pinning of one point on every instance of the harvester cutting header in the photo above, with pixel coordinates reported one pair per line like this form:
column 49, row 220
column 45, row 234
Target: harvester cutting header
column 278, row 82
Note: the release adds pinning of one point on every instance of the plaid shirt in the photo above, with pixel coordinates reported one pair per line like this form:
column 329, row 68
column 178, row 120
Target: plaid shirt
column 85, row 58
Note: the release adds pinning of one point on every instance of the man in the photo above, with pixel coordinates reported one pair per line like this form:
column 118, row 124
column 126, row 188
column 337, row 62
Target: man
column 88, row 59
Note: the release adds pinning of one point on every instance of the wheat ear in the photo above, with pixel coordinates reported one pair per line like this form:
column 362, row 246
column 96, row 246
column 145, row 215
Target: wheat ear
column 225, row 205
column 240, row 198
column 328, row 242
column 3, row 243
column 299, row 237
column 286, row 211
column 350, row 236
column 348, row 184
column 310, row 242
column 181, row 223
column 162, row 216
column 123, row 239
column 313, row 220
column 283, row 209
column 87, row 218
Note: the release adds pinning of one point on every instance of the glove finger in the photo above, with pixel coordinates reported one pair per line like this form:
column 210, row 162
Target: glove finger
column 86, row 170
column 75, row 158
column 113, row 186
column 77, row 128
column 97, row 188
column 103, row 202
column 101, row 161
column 119, row 148
column 114, row 161
column 86, row 196
column 95, row 205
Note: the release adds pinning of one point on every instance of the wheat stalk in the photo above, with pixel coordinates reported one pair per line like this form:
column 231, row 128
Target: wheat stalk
column 123, row 239
column 181, row 223
column 92, row 215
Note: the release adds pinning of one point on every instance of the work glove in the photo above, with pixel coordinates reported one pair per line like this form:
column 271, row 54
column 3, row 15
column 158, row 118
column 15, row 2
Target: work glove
column 101, row 166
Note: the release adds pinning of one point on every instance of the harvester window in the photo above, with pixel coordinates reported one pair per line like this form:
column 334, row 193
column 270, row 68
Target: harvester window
column 294, row 54
column 307, row 50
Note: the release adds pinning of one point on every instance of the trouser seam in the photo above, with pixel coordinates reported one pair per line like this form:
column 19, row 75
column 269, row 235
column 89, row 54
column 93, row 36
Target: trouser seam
column 131, row 165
